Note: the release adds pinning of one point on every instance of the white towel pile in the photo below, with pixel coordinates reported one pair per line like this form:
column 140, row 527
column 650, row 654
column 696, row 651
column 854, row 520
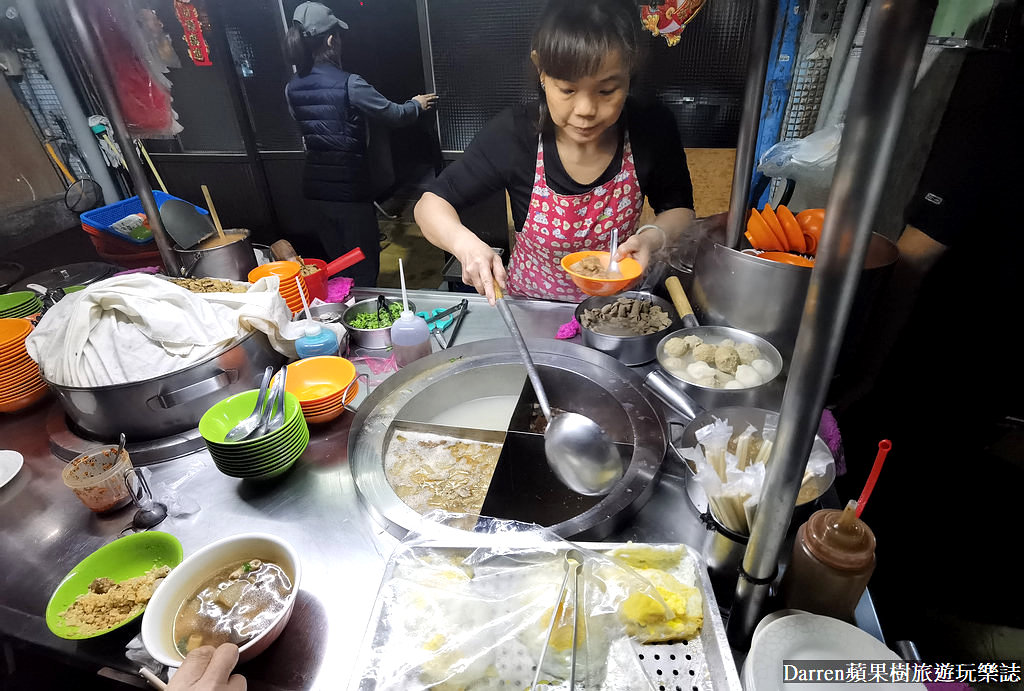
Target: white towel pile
column 135, row 327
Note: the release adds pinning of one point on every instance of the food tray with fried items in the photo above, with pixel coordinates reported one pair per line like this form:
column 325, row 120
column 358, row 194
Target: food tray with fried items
column 480, row 618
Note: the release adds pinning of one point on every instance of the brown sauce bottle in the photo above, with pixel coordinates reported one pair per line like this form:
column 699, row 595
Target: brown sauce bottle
column 833, row 559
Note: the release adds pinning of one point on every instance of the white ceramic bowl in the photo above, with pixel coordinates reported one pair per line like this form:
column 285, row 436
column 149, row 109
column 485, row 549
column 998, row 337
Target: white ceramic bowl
column 185, row 579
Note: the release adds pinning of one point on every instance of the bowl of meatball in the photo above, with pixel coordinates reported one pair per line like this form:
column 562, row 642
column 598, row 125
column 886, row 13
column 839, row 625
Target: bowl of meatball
column 719, row 365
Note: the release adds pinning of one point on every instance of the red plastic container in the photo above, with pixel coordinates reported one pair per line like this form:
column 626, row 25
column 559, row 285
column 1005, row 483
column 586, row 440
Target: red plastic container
column 316, row 282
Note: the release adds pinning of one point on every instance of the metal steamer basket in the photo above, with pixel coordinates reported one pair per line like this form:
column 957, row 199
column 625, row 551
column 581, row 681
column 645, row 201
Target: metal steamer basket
column 522, row 487
column 704, row 663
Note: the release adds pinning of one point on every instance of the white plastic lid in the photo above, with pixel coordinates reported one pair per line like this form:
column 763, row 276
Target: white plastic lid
column 313, row 329
column 408, row 315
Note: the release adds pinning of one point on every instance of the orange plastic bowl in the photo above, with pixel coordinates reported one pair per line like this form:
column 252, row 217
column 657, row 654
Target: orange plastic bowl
column 286, row 270
column 14, row 331
column 334, row 401
column 316, row 379
column 320, row 418
column 25, row 400
column 630, row 269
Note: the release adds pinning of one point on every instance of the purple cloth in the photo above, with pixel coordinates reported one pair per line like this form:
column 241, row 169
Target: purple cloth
column 828, row 430
column 339, row 288
column 143, row 270
column 568, row 330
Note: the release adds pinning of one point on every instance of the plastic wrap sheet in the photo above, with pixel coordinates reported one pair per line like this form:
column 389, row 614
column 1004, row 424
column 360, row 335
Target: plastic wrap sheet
column 477, row 616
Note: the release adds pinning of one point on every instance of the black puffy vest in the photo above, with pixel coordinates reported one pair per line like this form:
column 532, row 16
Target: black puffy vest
column 334, row 133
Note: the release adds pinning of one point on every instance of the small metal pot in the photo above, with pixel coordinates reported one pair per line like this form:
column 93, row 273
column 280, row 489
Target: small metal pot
column 370, row 338
column 629, row 350
column 762, row 395
column 739, row 417
column 234, row 260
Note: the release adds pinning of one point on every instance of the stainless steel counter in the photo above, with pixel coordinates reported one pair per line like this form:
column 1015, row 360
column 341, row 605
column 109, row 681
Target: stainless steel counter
column 45, row 530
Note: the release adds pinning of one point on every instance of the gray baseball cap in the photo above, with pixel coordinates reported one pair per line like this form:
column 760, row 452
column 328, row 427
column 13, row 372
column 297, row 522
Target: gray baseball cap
column 316, row 19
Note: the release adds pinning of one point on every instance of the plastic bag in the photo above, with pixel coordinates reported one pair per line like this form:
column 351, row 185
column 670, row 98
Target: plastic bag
column 811, row 159
column 731, row 469
column 143, row 92
column 478, row 617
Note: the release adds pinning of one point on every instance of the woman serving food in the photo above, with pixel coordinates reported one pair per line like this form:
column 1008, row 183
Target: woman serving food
column 576, row 163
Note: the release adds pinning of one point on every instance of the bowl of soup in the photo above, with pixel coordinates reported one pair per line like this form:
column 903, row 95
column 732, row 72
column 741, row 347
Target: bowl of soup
column 240, row 589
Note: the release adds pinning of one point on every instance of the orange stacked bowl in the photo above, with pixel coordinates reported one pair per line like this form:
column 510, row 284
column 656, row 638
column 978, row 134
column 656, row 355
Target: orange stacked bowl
column 323, row 385
column 289, row 289
column 20, row 382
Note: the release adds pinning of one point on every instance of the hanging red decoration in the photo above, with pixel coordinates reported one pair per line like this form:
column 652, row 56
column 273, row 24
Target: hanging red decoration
column 188, row 16
column 669, row 18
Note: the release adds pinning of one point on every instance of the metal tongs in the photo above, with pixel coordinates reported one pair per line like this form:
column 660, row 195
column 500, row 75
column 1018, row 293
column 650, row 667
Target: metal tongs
column 382, row 306
column 573, row 566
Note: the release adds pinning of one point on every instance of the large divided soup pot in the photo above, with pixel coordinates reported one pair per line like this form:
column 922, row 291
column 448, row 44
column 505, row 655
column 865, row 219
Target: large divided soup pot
column 186, row 578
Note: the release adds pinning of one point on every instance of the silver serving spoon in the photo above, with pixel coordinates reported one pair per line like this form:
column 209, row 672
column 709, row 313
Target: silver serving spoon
column 246, row 426
column 578, row 450
column 613, row 265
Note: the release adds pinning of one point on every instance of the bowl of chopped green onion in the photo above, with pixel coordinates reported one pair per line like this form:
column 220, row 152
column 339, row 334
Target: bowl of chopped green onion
column 369, row 327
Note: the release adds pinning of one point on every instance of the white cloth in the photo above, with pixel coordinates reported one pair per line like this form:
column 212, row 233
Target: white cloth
column 135, row 327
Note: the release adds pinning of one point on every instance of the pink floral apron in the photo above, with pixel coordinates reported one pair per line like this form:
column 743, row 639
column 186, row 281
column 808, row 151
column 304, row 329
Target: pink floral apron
column 560, row 224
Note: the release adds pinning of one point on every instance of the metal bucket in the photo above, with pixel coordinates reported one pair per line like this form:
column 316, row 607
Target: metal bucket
column 233, row 260
column 766, row 298
column 170, row 403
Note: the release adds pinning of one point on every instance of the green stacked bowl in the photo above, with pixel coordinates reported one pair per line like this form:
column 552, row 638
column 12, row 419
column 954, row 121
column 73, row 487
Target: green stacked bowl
column 22, row 303
column 260, row 458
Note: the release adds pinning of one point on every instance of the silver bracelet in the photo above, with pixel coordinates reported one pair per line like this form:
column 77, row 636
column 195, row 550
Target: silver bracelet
column 664, row 235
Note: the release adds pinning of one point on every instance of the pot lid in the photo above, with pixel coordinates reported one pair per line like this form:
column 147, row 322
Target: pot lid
column 9, row 273
column 80, row 274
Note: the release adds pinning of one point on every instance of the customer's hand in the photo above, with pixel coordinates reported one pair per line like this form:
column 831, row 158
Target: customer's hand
column 209, row 669
column 426, row 101
column 481, row 266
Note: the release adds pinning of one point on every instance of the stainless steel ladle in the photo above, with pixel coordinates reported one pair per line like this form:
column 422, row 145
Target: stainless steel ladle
column 578, row 450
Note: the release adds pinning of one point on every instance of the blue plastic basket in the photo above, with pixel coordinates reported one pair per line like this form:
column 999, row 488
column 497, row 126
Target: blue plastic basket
column 106, row 216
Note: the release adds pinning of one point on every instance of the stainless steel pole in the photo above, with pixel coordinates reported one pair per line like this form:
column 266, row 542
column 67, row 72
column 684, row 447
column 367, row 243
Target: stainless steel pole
column 108, row 95
column 896, row 36
column 753, row 94
column 78, row 121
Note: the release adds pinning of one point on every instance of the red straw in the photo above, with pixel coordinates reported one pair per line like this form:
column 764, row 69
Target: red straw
column 883, row 451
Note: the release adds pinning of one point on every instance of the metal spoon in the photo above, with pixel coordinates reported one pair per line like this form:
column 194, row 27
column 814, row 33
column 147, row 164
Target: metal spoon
column 613, row 266
column 246, row 426
column 120, row 448
column 578, row 450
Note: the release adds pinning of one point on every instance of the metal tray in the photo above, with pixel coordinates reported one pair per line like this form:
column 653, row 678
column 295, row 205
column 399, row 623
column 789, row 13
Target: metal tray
column 703, row 664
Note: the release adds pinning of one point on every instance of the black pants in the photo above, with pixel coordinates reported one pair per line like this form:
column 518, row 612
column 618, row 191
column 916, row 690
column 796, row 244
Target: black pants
column 345, row 226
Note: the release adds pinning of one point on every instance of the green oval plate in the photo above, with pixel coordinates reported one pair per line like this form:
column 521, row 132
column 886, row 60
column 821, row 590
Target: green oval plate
column 127, row 557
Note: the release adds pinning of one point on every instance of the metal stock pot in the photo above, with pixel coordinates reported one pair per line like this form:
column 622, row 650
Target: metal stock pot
column 171, row 403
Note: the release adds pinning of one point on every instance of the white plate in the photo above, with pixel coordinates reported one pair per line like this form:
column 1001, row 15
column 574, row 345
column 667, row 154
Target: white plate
column 10, row 464
column 811, row 637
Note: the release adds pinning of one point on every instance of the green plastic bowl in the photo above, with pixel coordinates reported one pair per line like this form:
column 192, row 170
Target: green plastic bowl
column 20, row 298
column 222, row 417
column 281, row 438
column 128, row 557
column 257, row 466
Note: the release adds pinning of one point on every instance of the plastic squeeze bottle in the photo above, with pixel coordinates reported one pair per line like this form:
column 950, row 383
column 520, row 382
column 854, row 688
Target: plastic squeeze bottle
column 316, row 341
column 833, row 559
column 410, row 335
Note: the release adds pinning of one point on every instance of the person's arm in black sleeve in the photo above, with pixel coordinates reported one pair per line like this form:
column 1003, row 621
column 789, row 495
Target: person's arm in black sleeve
column 667, row 186
column 484, row 168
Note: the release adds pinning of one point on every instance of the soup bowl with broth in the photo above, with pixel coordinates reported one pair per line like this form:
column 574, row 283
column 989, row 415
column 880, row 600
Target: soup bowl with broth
column 200, row 595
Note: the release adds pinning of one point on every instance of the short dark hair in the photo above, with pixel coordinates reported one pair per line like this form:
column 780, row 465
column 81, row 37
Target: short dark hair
column 575, row 36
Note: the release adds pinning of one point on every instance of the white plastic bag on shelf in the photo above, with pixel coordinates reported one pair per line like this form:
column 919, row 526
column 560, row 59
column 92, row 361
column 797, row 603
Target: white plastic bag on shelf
column 811, row 159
